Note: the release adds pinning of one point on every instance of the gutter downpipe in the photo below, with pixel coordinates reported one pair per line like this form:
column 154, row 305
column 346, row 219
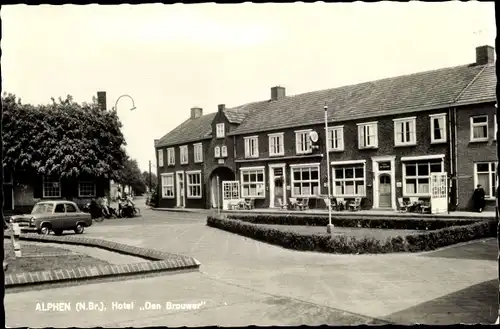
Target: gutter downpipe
column 452, row 159
column 455, row 154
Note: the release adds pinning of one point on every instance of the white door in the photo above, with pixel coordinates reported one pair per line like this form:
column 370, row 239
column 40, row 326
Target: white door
column 439, row 193
column 230, row 193
column 180, row 190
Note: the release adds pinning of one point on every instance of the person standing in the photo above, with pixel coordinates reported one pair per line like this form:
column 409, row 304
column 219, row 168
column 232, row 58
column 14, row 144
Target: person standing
column 478, row 198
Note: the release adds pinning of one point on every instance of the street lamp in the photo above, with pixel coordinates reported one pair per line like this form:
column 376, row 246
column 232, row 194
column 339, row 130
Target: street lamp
column 116, row 103
column 329, row 227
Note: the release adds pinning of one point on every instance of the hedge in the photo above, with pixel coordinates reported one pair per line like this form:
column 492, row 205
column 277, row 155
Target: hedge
column 425, row 241
column 400, row 223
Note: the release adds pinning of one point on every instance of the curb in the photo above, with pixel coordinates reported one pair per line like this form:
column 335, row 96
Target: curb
column 325, row 214
column 158, row 261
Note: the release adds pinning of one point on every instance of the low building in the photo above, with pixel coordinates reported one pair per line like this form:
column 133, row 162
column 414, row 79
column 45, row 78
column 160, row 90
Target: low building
column 385, row 137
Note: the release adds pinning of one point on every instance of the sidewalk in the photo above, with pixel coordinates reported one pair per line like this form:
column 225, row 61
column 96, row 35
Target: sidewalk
column 486, row 215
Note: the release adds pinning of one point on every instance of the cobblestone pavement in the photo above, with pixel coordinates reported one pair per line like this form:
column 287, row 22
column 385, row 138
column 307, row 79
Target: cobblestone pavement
column 244, row 282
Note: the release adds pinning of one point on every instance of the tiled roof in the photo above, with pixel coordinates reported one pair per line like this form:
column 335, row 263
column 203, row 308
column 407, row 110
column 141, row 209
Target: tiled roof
column 409, row 93
column 190, row 130
column 482, row 88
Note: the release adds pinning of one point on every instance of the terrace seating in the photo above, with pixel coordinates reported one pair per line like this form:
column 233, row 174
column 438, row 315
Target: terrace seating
column 356, row 205
column 329, row 204
column 403, row 207
column 303, row 204
column 293, row 203
column 250, row 204
column 425, row 206
column 341, row 204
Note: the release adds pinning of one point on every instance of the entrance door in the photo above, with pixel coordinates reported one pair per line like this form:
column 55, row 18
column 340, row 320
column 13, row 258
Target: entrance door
column 439, row 193
column 384, row 188
column 278, row 191
column 180, row 190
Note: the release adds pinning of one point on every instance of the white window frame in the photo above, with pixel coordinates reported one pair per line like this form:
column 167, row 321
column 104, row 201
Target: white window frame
column 472, row 125
column 92, row 194
column 257, row 170
column 362, row 135
column 223, row 151
column 167, row 186
column 184, row 154
column 444, row 137
column 171, row 156
column 488, row 194
column 251, row 152
column 189, row 185
column 198, row 152
column 496, row 127
column 160, row 158
column 339, row 132
column 276, row 144
column 301, row 167
column 217, row 152
column 220, row 130
column 303, row 144
column 45, row 181
column 417, row 177
column 348, row 165
column 412, row 124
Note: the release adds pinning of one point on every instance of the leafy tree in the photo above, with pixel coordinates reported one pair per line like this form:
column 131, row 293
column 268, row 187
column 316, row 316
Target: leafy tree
column 131, row 175
column 64, row 139
column 154, row 181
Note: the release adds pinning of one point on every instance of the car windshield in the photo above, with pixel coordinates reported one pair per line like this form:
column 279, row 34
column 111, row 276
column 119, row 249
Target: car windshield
column 43, row 208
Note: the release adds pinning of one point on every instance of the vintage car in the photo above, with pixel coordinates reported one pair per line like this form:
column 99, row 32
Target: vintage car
column 56, row 216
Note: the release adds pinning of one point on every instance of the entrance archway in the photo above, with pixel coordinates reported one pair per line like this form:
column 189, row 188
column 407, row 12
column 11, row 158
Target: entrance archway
column 223, row 174
column 384, row 191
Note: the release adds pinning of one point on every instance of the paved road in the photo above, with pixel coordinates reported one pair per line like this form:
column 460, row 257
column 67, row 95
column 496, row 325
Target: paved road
column 244, row 282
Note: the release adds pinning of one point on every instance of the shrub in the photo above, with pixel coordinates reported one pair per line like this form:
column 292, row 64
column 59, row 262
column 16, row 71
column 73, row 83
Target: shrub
column 427, row 240
column 407, row 223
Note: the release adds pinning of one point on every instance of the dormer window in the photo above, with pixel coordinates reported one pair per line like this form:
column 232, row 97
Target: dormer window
column 220, row 130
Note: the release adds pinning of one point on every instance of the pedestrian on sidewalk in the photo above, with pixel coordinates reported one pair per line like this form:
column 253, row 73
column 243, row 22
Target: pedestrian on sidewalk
column 478, row 198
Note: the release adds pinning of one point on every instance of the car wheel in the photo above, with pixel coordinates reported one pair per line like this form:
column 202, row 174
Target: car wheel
column 45, row 229
column 58, row 232
column 79, row 228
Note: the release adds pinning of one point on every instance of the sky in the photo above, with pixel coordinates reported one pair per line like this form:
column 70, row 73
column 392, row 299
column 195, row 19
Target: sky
column 170, row 58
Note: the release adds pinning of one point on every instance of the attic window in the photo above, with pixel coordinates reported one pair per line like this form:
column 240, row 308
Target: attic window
column 220, row 131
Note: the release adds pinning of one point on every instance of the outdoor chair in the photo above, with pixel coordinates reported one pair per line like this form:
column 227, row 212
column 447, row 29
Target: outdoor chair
column 293, row 203
column 250, row 204
column 282, row 205
column 340, row 204
column 403, row 207
column 304, row 204
column 329, row 204
column 425, row 207
column 356, row 205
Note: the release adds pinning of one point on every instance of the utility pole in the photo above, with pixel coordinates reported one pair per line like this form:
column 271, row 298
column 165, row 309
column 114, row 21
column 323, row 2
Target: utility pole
column 150, row 188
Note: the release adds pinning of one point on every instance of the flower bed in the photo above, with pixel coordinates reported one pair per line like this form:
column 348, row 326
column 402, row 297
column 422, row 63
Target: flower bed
column 345, row 244
column 400, row 223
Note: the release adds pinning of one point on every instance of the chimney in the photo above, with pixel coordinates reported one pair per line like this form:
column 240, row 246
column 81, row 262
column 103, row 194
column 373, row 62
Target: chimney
column 101, row 100
column 221, row 107
column 277, row 93
column 196, row 112
column 156, row 142
column 485, row 55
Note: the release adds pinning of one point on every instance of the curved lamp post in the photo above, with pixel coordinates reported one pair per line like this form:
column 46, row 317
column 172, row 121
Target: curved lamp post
column 116, row 103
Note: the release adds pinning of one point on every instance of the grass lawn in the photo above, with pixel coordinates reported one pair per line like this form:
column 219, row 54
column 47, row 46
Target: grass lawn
column 379, row 234
column 38, row 257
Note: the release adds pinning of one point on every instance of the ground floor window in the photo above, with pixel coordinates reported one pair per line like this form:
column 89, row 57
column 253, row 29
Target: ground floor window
column 252, row 183
column 167, row 185
column 305, row 181
column 194, row 184
column 485, row 173
column 51, row 188
column 86, row 189
column 417, row 176
column 349, row 180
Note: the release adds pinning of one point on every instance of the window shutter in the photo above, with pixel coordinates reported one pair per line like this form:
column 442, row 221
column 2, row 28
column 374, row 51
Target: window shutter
column 341, row 138
column 375, row 135
column 256, row 142
column 361, row 136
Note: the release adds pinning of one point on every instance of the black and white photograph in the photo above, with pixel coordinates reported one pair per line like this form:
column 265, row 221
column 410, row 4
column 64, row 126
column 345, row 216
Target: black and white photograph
column 274, row 164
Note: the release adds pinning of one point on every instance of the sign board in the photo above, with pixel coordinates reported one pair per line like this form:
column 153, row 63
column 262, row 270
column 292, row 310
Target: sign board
column 386, row 165
column 399, row 184
column 278, row 171
column 220, row 161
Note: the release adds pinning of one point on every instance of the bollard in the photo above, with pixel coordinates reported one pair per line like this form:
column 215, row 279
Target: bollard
column 16, row 230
